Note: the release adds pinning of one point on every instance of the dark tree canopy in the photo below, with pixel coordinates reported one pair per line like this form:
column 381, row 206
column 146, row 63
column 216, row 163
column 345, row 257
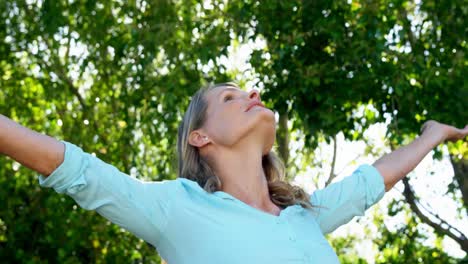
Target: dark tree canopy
column 115, row 78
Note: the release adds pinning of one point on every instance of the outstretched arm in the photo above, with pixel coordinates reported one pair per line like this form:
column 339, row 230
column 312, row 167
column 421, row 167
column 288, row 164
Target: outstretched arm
column 397, row 164
column 140, row 207
column 36, row 151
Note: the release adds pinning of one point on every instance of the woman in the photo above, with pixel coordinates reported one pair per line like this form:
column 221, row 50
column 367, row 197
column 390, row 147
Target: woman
column 229, row 204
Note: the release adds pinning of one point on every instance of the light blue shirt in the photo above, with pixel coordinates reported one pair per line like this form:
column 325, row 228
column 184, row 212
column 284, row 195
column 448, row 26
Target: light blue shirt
column 188, row 225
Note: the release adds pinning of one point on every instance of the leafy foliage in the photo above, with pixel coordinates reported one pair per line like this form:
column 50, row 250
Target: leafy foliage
column 406, row 244
column 115, row 78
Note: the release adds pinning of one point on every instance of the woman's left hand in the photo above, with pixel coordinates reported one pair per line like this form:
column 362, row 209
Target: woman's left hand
column 445, row 132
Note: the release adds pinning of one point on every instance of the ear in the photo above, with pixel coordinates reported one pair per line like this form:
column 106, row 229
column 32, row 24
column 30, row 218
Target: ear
column 198, row 139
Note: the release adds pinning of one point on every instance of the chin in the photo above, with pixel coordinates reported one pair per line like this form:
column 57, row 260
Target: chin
column 260, row 127
column 267, row 115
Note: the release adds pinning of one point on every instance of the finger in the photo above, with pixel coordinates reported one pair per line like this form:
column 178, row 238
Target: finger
column 465, row 130
column 461, row 133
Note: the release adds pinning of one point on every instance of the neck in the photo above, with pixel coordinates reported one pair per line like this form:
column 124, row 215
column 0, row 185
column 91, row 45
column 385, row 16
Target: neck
column 242, row 176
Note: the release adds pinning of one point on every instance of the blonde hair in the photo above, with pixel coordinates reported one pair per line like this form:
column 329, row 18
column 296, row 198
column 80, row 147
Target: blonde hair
column 193, row 167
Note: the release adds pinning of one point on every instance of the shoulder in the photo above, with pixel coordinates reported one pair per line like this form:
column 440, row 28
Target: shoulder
column 182, row 185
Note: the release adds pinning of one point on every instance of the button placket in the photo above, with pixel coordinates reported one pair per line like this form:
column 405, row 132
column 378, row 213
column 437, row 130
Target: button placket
column 290, row 231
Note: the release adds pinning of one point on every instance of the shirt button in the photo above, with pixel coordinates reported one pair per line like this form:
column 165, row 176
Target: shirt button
column 292, row 238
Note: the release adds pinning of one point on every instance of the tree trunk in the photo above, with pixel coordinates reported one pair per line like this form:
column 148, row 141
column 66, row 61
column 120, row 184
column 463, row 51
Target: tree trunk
column 460, row 169
column 283, row 138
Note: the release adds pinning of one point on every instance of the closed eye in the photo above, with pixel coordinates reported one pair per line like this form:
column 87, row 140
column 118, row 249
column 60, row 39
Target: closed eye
column 227, row 98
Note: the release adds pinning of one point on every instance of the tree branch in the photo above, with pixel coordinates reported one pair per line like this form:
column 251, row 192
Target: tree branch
column 283, row 137
column 332, row 170
column 403, row 15
column 57, row 68
column 460, row 170
column 348, row 164
column 460, row 238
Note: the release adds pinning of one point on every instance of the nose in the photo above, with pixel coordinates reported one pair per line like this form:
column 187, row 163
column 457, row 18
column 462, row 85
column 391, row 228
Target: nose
column 254, row 94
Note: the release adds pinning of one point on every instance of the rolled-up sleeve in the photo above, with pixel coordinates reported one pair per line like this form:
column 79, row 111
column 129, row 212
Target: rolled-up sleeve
column 339, row 202
column 140, row 207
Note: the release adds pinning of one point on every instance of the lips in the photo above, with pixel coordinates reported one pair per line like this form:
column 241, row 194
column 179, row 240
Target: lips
column 254, row 103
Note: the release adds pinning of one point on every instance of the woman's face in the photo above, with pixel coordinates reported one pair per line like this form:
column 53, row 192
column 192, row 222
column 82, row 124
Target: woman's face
column 235, row 116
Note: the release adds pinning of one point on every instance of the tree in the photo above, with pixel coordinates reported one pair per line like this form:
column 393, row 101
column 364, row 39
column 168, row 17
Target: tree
column 115, row 78
column 399, row 60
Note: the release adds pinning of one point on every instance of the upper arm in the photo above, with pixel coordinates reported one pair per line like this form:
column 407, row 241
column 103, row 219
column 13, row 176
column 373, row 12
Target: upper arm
column 140, row 207
column 339, row 202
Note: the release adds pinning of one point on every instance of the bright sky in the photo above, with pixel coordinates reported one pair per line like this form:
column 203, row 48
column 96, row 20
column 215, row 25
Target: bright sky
column 422, row 182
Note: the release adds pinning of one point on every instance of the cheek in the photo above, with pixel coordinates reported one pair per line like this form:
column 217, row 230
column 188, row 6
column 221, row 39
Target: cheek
column 225, row 127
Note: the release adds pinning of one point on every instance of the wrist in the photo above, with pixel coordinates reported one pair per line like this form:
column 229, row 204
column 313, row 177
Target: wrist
column 436, row 136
